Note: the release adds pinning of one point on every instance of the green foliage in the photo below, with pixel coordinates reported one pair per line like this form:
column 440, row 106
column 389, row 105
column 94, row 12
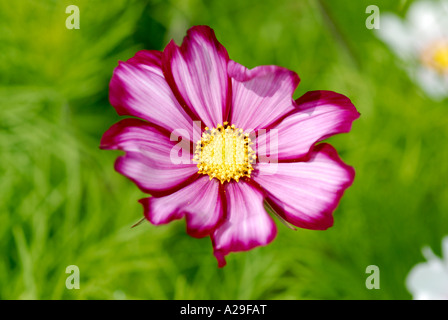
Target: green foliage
column 62, row 203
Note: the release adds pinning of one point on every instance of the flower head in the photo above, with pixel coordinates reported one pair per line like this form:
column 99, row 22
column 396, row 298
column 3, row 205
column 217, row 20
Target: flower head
column 200, row 148
column 421, row 42
column 429, row 280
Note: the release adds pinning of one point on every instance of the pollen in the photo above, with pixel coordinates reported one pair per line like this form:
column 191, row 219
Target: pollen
column 225, row 153
column 435, row 56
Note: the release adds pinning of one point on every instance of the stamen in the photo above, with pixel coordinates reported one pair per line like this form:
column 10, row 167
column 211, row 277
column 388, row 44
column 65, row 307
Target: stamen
column 435, row 56
column 224, row 153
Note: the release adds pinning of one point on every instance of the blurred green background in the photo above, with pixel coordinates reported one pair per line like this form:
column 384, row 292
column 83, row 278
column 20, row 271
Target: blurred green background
column 63, row 204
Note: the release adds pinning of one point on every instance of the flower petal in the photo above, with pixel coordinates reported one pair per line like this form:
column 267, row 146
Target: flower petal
column 199, row 201
column 260, row 95
column 197, row 72
column 134, row 134
column 152, row 177
column 247, row 224
column 306, row 193
column 138, row 88
column 395, row 33
column 434, row 84
column 427, row 20
column 154, row 162
column 428, row 281
column 321, row 115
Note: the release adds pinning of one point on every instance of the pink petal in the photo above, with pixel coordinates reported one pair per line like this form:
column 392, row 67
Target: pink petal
column 150, row 161
column 306, row 193
column 150, row 60
column 136, row 135
column 247, row 224
column 200, row 202
column 197, row 72
column 151, row 177
column 260, row 95
column 138, row 88
column 321, row 115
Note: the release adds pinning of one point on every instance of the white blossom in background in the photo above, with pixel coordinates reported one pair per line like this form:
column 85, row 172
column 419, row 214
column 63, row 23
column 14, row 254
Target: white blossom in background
column 429, row 280
column 420, row 40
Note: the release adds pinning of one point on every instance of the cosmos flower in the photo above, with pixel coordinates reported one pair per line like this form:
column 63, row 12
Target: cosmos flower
column 421, row 43
column 429, row 280
column 222, row 186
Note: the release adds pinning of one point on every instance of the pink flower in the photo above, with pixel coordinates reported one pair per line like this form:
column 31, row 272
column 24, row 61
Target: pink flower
column 222, row 193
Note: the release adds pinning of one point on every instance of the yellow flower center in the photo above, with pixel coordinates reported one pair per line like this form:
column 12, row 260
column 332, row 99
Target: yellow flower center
column 435, row 56
column 224, row 153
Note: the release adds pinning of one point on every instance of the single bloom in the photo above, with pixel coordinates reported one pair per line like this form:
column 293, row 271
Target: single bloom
column 429, row 280
column 421, row 43
column 215, row 143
